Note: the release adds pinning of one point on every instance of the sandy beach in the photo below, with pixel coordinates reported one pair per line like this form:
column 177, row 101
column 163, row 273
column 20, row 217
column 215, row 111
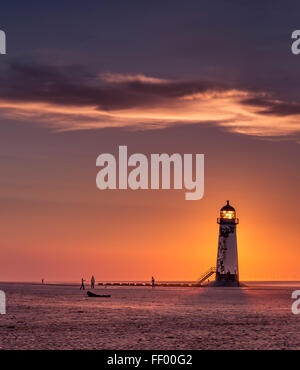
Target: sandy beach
column 58, row 316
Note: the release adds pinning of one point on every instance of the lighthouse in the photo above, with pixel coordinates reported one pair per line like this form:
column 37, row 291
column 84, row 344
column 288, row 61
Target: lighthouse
column 227, row 270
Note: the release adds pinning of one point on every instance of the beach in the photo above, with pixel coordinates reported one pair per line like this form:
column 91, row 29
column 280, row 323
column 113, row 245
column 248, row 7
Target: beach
column 60, row 316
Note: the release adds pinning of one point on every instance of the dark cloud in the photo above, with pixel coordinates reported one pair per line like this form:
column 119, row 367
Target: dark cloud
column 274, row 107
column 73, row 85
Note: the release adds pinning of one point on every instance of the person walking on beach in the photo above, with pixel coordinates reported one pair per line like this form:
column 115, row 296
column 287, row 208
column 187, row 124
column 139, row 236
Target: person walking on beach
column 82, row 284
column 153, row 282
column 92, row 282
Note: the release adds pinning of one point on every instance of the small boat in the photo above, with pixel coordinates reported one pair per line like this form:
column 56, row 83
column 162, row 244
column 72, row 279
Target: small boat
column 90, row 294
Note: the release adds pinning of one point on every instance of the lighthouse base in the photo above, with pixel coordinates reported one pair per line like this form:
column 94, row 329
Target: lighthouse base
column 226, row 280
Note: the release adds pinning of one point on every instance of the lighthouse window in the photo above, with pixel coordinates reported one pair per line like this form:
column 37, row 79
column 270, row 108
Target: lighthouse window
column 228, row 214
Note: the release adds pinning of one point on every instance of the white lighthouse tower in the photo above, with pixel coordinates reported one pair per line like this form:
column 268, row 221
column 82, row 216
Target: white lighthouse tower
column 227, row 270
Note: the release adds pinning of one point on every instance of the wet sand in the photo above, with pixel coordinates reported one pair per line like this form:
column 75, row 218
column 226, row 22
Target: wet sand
column 63, row 317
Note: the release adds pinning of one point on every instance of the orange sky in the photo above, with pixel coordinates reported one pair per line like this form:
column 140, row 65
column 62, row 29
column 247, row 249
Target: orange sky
column 57, row 225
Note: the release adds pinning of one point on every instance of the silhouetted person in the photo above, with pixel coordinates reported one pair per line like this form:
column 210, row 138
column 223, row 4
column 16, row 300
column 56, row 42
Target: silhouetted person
column 153, row 282
column 92, row 282
column 42, row 281
column 82, row 284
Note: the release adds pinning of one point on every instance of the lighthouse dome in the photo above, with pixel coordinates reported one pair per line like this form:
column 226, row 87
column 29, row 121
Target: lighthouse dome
column 228, row 215
column 228, row 207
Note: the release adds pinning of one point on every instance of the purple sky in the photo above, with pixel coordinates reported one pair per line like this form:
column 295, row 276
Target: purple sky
column 206, row 77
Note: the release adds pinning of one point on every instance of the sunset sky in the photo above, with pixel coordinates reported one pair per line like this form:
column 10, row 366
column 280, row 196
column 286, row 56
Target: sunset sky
column 79, row 80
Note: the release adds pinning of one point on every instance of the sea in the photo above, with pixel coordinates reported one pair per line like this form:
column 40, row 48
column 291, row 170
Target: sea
column 58, row 315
